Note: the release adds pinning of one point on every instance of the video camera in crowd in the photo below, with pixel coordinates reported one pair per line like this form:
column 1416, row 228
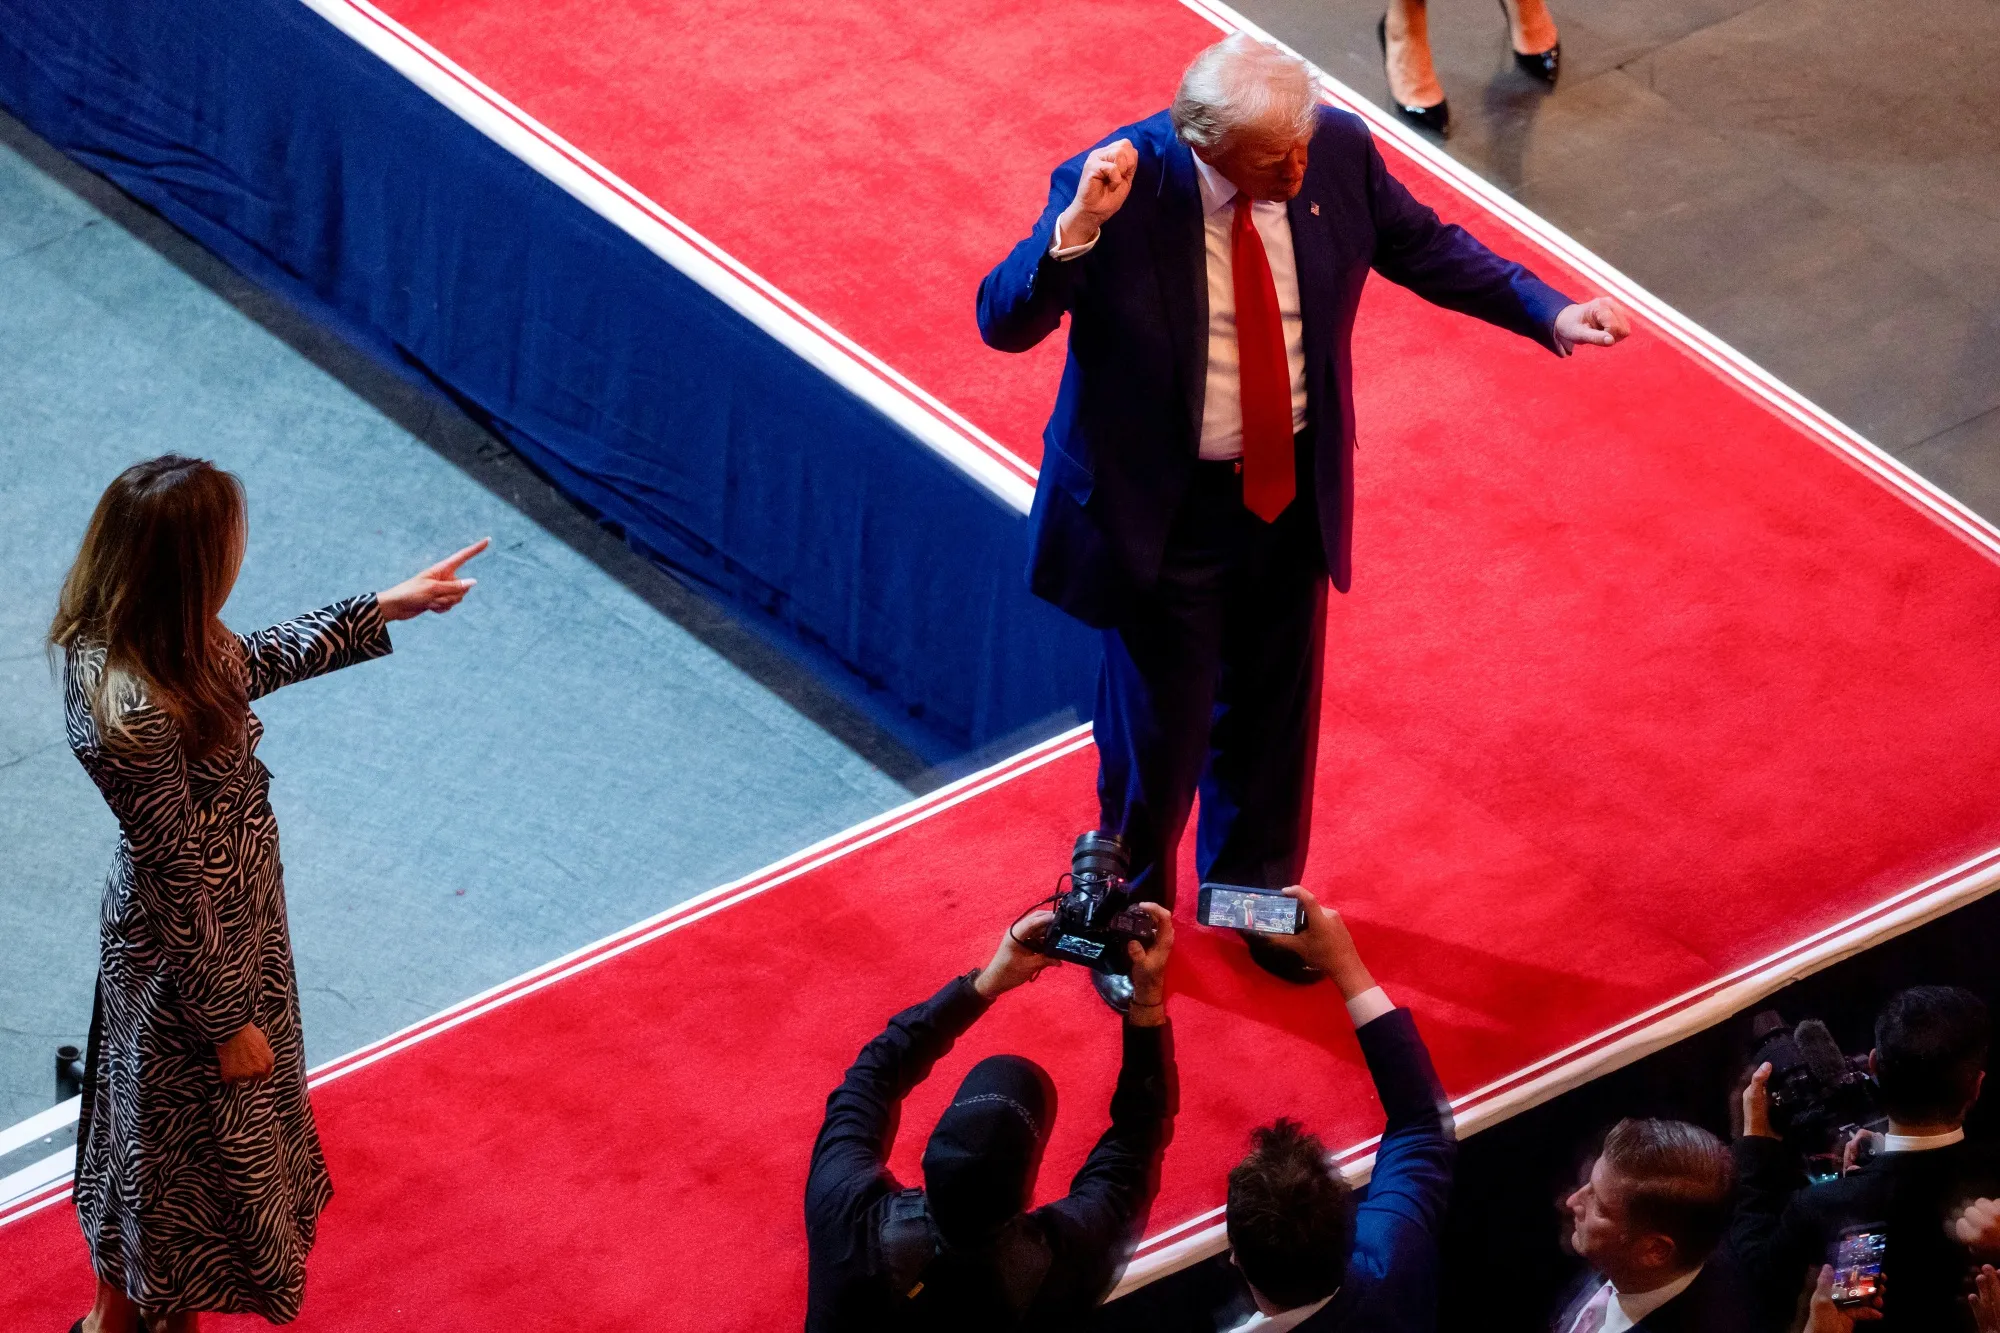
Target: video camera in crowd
column 1097, row 916
column 1818, row 1095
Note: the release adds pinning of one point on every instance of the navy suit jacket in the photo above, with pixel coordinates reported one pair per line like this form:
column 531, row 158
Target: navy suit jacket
column 1715, row 1302
column 1392, row 1275
column 1122, row 442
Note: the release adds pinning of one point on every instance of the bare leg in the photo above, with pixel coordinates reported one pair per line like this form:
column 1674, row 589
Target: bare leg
column 186, row 1322
column 1407, row 34
column 113, row 1312
column 1530, row 27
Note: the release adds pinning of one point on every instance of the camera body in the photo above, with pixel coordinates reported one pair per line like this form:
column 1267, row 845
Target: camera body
column 1816, row 1093
column 1096, row 916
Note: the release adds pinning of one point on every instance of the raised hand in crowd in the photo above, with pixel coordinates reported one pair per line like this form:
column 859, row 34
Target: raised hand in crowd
column 1986, row 1300
column 438, row 588
column 1977, row 1228
column 1326, row 945
column 1826, row 1317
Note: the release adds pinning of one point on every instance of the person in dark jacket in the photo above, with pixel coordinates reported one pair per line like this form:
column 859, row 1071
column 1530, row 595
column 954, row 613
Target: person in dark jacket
column 964, row 1252
column 1304, row 1255
column 1648, row 1221
column 1930, row 1062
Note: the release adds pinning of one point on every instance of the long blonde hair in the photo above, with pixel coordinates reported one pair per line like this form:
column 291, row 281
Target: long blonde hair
column 148, row 585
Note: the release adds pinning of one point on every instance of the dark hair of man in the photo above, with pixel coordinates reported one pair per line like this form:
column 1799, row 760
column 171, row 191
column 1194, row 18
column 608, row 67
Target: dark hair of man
column 1930, row 1047
column 1677, row 1181
column 1290, row 1217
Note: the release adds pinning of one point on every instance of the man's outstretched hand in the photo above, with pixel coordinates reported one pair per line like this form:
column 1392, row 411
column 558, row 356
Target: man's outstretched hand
column 1100, row 192
column 1598, row 322
column 1016, row 960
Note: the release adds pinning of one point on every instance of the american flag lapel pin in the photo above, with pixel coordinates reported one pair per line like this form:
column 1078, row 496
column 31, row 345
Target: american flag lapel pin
column 1315, row 209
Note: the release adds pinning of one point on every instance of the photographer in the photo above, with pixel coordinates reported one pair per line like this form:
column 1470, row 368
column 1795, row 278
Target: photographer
column 1929, row 1062
column 963, row 1253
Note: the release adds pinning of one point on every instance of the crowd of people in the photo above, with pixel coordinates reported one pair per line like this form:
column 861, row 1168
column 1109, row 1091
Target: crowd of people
column 1672, row 1228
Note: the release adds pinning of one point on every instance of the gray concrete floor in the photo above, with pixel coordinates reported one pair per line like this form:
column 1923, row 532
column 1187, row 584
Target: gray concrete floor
column 1815, row 181
column 580, row 745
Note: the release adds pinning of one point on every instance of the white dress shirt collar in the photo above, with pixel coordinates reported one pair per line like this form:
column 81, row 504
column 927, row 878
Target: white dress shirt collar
column 1216, row 191
column 1921, row 1142
column 1626, row 1311
column 1289, row 1319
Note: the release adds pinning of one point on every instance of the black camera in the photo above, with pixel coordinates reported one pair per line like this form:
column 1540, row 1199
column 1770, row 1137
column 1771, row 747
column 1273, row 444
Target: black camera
column 1096, row 916
column 1817, row 1094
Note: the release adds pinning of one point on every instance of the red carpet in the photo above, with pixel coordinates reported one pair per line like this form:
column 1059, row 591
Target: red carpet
column 1643, row 692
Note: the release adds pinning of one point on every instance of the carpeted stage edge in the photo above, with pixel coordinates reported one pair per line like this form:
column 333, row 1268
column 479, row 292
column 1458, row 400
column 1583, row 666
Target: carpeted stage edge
column 1647, row 698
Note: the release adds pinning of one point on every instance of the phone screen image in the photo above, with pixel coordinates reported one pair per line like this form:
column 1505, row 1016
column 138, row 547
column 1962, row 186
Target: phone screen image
column 1857, row 1268
column 1266, row 913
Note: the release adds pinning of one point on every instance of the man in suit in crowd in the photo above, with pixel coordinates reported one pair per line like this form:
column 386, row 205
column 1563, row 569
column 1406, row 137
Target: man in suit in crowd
column 1197, row 480
column 964, row 1254
column 1921, row 1190
column 1303, row 1255
column 1649, row 1221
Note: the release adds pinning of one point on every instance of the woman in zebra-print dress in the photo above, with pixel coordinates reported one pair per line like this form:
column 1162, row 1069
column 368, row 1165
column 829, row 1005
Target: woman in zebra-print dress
column 199, row 1180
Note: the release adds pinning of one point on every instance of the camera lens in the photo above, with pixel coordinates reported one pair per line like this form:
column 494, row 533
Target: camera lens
column 1099, row 856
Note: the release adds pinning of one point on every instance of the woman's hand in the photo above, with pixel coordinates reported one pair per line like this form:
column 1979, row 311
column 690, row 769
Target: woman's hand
column 437, row 589
column 245, row 1057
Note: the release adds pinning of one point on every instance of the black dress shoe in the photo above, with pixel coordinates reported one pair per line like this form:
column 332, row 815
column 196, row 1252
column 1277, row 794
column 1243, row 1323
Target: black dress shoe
column 1113, row 989
column 1542, row 65
column 1433, row 119
column 1280, row 963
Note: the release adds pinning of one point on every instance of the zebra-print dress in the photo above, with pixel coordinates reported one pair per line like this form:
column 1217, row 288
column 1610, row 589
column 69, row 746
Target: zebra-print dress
column 193, row 1194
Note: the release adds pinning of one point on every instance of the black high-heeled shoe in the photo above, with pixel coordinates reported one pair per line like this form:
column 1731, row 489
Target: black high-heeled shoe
column 1541, row 65
column 1436, row 118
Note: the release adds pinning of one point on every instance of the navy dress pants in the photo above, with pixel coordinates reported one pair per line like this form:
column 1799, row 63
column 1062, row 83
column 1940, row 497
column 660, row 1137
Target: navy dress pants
column 1212, row 683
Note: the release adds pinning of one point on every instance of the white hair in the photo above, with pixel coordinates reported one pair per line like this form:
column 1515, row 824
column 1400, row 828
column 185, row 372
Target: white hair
column 1244, row 86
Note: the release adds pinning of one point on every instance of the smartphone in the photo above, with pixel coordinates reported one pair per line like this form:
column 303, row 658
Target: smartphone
column 1266, row 911
column 1857, row 1269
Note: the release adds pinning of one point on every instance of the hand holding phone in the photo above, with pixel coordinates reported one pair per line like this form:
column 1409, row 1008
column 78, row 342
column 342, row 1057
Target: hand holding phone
column 1240, row 907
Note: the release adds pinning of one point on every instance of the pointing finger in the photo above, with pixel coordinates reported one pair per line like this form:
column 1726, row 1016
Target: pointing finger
column 449, row 565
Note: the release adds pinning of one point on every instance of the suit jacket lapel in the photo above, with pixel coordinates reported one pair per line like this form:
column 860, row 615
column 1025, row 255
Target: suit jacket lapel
column 1319, row 272
column 1180, row 252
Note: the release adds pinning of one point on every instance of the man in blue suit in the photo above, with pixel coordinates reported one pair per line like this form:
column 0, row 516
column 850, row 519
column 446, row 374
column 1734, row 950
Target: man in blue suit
column 1197, row 484
column 1307, row 1256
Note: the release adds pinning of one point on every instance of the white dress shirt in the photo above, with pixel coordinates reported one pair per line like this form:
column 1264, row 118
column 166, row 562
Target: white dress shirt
column 1222, row 396
column 1922, row 1142
column 1621, row 1312
column 1280, row 1323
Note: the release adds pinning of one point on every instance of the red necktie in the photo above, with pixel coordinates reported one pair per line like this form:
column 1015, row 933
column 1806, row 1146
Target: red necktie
column 1269, row 482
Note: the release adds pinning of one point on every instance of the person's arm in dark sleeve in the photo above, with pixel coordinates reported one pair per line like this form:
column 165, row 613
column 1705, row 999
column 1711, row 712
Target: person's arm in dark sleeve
column 1447, row 266
column 853, row 1145
column 1023, row 299
column 1091, row 1229
column 1110, row 1191
column 1413, row 1162
column 1769, row 1235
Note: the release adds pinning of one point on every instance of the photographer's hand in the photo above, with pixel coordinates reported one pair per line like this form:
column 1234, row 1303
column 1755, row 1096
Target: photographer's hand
column 1015, row 961
column 1326, row 945
column 1757, row 1105
column 1149, row 970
